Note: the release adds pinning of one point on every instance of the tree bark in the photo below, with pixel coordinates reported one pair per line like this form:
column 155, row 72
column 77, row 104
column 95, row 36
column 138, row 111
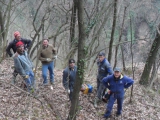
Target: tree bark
column 151, row 58
column 73, row 22
column 112, row 33
column 81, row 61
column 120, row 37
column 132, row 58
column 5, row 30
column 123, row 61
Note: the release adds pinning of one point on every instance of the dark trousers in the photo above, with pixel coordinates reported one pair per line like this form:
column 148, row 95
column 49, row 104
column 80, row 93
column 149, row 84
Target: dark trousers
column 70, row 96
column 110, row 104
column 15, row 73
column 100, row 89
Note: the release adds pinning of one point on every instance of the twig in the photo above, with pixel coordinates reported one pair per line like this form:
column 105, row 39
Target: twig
column 23, row 91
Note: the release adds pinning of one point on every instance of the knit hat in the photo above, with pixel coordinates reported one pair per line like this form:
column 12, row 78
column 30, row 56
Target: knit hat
column 18, row 44
column 17, row 33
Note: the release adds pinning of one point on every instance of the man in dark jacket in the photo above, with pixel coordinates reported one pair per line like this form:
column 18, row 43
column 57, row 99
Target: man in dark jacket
column 69, row 77
column 12, row 45
column 104, row 68
column 116, row 84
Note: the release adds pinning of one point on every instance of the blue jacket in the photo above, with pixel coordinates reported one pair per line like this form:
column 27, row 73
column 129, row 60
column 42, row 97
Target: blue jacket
column 69, row 83
column 22, row 63
column 104, row 68
column 117, row 86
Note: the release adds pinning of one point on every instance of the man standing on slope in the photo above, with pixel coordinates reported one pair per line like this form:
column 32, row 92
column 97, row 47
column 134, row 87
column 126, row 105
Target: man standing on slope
column 69, row 77
column 116, row 84
column 23, row 65
column 47, row 55
column 104, row 68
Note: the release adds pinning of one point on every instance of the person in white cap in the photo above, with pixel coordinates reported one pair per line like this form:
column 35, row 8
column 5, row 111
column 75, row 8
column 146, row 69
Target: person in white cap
column 116, row 84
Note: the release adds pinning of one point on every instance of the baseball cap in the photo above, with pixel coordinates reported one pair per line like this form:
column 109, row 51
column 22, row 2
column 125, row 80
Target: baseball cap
column 117, row 69
column 71, row 61
column 101, row 54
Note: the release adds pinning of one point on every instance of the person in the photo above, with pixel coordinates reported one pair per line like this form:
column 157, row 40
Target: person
column 47, row 55
column 104, row 68
column 69, row 77
column 12, row 45
column 116, row 84
column 86, row 88
column 23, row 65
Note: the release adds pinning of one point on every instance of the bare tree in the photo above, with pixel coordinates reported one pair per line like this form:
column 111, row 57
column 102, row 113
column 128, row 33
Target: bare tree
column 113, row 30
column 81, row 61
column 120, row 37
column 4, row 23
column 151, row 58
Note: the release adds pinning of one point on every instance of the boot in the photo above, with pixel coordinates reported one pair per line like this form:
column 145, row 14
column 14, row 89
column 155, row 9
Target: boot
column 13, row 79
column 96, row 101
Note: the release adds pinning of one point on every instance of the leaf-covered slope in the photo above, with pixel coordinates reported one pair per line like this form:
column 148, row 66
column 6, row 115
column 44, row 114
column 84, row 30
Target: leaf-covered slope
column 48, row 104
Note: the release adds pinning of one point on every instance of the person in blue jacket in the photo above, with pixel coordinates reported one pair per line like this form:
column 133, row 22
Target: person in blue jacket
column 104, row 68
column 69, row 77
column 24, row 66
column 116, row 84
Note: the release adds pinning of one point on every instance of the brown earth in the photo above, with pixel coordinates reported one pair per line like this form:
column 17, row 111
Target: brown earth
column 48, row 104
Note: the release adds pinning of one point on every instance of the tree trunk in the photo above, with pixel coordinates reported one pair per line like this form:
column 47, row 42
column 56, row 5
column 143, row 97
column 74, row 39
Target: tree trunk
column 132, row 58
column 73, row 21
column 112, row 33
column 5, row 27
column 151, row 58
column 116, row 51
column 81, row 62
column 154, row 73
column 123, row 61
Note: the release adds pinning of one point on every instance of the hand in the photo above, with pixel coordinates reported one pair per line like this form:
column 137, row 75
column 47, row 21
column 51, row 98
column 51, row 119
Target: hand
column 104, row 98
column 34, row 70
column 109, row 92
column 26, row 76
column 55, row 57
column 48, row 59
column 68, row 91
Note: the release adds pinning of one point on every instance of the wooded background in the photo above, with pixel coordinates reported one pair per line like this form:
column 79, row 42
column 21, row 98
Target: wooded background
column 128, row 31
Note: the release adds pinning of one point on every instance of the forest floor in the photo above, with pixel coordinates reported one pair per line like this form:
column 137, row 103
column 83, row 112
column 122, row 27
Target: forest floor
column 51, row 102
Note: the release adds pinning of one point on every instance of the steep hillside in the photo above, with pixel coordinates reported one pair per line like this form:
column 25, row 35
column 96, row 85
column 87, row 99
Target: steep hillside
column 52, row 104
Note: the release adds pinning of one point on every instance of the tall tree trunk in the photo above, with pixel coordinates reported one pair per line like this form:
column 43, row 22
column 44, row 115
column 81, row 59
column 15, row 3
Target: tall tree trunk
column 81, row 61
column 73, row 21
column 154, row 73
column 112, row 33
column 132, row 58
column 151, row 58
column 6, row 28
column 123, row 61
column 116, row 51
